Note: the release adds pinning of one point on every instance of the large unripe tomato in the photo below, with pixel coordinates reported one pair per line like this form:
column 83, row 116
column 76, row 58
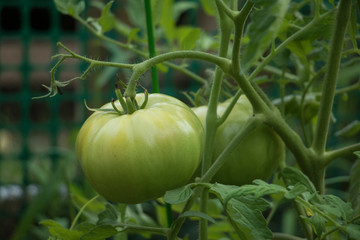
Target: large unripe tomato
column 137, row 157
column 257, row 157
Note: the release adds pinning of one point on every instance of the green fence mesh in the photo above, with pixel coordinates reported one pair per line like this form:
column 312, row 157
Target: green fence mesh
column 33, row 129
column 35, row 135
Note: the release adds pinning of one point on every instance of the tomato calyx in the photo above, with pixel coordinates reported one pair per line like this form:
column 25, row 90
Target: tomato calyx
column 128, row 104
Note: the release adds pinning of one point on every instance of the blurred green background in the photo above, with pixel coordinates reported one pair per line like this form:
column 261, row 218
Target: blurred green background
column 37, row 160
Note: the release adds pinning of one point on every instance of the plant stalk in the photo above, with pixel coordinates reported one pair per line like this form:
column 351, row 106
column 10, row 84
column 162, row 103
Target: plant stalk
column 211, row 115
column 331, row 76
column 151, row 45
column 142, row 67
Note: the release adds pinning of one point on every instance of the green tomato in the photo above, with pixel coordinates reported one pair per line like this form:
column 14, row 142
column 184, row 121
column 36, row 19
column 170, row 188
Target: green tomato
column 257, row 157
column 138, row 157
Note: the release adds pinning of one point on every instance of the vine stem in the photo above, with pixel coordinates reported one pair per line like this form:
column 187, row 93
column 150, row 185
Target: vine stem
column 284, row 236
column 211, row 114
column 142, row 67
column 136, row 228
column 81, row 211
column 331, row 75
column 283, row 45
column 93, row 63
column 331, row 155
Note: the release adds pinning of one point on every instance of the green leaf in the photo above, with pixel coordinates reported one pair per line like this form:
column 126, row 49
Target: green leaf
column 209, row 7
column 249, row 221
column 263, row 188
column 99, row 233
column 295, row 176
column 258, row 204
column 84, row 227
column 178, row 195
column 354, row 189
column 156, row 8
column 333, row 205
column 197, row 214
column 132, row 34
column 353, row 230
column 70, row 7
column 220, row 230
column 263, row 29
column 295, row 191
column 352, row 28
column 301, row 49
column 222, row 191
column 106, row 20
column 50, row 223
column 108, row 216
column 318, row 223
column 349, row 130
column 187, row 37
column 259, row 189
column 63, row 233
column 136, row 13
column 277, row 197
column 322, row 29
column 167, row 21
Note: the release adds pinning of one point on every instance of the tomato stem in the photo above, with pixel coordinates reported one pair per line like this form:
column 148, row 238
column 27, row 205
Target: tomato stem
column 120, row 98
column 131, row 107
column 331, row 75
column 116, row 109
column 143, row 105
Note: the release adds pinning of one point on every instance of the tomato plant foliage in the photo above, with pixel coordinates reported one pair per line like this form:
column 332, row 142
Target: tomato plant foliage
column 261, row 151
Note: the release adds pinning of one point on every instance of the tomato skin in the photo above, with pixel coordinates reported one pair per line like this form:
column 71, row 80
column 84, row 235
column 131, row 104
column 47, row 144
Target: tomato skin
column 257, row 157
column 137, row 157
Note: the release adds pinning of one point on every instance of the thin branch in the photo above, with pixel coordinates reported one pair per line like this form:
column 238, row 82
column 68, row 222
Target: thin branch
column 250, row 125
column 331, row 76
column 92, row 61
column 334, row 154
column 284, row 236
column 283, row 45
column 137, row 228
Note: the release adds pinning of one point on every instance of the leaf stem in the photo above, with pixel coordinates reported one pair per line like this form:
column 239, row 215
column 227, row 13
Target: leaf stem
column 302, row 104
column 284, row 236
column 331, row 76
column 331, row 155
column 283, row 45
column 93, row 62
column 137, row 228
column 81, row 211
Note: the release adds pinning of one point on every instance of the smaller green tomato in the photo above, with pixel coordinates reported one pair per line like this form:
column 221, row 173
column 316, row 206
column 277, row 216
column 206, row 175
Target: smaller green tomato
column 138, row 157
column 257, row 157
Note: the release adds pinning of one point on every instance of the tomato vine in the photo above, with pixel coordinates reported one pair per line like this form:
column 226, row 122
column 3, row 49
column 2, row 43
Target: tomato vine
column 310, row 152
